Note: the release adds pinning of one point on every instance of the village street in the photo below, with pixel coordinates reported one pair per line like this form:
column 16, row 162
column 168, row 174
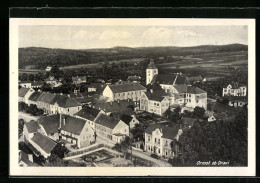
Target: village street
column 26, row 117
column 158, row 162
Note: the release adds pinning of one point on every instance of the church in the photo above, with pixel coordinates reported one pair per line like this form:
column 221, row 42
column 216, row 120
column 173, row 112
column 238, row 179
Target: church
column 177, row 88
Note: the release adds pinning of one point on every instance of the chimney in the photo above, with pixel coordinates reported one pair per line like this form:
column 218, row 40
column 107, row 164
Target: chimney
column 64, row 120
column 60, row 120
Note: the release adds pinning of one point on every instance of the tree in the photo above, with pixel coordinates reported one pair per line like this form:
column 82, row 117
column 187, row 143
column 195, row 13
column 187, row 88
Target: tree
column 20, row 127
column 198, row 112
column 55, row 161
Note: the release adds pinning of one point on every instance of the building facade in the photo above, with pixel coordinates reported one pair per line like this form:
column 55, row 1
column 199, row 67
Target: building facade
column 235, row 90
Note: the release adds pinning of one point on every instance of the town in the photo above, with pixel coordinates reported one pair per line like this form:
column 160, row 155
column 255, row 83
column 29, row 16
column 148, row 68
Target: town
column 155, row 119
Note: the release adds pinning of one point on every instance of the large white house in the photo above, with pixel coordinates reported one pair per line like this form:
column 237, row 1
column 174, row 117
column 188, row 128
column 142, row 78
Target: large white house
column 124, row 91
column 234, row 90
column 161, row 139
column 155, row 102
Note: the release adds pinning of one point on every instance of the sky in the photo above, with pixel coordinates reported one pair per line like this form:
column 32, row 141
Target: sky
column 87, row 37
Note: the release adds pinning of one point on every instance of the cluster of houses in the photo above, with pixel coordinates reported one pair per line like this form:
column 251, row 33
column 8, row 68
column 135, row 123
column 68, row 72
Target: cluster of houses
column 108, row 116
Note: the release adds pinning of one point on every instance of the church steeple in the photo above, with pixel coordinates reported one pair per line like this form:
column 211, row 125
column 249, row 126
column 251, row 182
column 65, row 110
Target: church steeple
column 151, row 71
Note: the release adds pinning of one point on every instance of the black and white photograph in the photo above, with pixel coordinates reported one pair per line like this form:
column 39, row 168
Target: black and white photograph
column 132, row 97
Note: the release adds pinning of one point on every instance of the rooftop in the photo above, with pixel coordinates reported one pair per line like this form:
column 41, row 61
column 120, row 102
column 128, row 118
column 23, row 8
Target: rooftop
column 44, row 142
column 189, row 89
column 156, row 95
column 168, row 132
column 88, row 113
column 151, row 65
column 34, row 96
column 175, row 79
column 65, row 101
column 23, row 91
column 126, row 87
column 46, row 97
column 106, row 121
column 32, row 126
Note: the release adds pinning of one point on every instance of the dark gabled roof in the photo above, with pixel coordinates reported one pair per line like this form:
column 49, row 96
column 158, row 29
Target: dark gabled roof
column 176, row 79
column 126, row 87
column 115, row 106
column 84, row 100
column 106, row 121
column 156, row 95
column 151, row 65
column 72, row 124
column 88, row 113
column 65, row 101
column 46, row 97
column 44, row 142
column 168, row 132
column 221, row 115
column 32, row 126
column 126, row 118
column 23, row 91
column 50, row 123
column 77, row 78
column 99, row 87
column 187, row 121
column 188, row 89
column 37, row 83
column 194, row 78
column 34, row 96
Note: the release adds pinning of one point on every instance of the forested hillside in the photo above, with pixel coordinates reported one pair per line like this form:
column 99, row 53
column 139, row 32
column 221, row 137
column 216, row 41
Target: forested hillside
column 41, row 57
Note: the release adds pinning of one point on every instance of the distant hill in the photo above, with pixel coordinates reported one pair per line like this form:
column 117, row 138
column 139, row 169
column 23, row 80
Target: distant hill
column 41, row 57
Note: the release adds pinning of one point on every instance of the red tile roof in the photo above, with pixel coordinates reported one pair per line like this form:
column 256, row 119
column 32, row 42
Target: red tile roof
column 34, row 96
column 50, row 123
column 44, row 142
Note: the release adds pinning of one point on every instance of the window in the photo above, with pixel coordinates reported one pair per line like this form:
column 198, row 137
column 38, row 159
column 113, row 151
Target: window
column 165, row 153
column 123, row 94
column 158, row 150
column 157, row 104
column 155, row 140
column 68, row 110
column 154, row 103
column 119, row 94
column 158, row 141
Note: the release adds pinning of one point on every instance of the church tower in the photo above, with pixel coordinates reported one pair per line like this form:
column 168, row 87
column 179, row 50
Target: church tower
column 151, row 71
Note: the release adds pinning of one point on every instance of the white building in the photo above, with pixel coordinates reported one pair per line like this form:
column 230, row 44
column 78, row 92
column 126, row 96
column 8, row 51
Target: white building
column 234, row 90
column 151, row 71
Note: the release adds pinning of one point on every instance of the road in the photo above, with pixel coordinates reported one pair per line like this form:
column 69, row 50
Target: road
column 159, row 162
column 26, row 117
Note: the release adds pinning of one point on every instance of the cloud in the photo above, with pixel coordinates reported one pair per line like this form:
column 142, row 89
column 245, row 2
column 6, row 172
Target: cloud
column 111, row 34
column 85, row 35
column 186, row 33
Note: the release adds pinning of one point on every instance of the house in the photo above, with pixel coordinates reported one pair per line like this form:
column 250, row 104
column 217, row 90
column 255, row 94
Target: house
column 238, row 101
column 64, row 105
column 156, row 102
column 37, row 84
column 42, row 144
column 135, row 79
column 190, row 96
column 96, row 87
column 211, row 118
column 24, row 94
column 161, row 139
column 130, row 120
column 194, row 79
column 25, row 84
column 235, row 89
column 125, row 91
column 110, row 129
column 34, row 97
column 116, row 107
column 51, row 80
column 25, row 159
column 72, row 129
column 44, row 102
column 48, row 68
column 79, row 79
column 29, row 129
column 88, row 114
